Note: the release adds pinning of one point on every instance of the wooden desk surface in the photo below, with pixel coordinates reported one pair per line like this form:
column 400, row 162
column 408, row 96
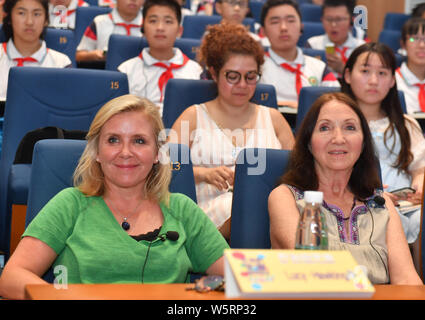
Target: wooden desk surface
column 177, row 292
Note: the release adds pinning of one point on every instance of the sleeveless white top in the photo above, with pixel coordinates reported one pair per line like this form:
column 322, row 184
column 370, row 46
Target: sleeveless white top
column 213, row 147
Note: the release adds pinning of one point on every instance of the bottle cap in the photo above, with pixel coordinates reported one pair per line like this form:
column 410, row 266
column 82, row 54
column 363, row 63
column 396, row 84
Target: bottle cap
column 313, row 196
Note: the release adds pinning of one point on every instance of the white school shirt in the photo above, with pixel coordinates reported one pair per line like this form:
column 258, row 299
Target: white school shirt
column 405, row 82
column 45, row 57
column 68, row 19
column 314, row 73
column 143, row 75
column 96, row 36
column 107, row 3
column 320, row 42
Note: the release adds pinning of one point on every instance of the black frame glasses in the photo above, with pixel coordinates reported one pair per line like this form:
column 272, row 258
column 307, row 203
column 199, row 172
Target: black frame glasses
column 234, row 77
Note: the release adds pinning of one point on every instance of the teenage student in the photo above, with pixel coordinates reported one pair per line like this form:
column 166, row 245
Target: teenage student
column 338, row 40
column 285, row 66
column 125, row 18
column 369, row 78
column 149, row 72
column 63, row 12
column 24, row 26
column 410, row 76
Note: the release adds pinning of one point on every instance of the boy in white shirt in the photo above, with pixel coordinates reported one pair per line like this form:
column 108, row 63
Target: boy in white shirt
column 286, row 67
column 125, row 19
column 149, row 72
column 410, row 76
column 337, row 20
column 24, row 46
column 63, row 12
column 234, row 12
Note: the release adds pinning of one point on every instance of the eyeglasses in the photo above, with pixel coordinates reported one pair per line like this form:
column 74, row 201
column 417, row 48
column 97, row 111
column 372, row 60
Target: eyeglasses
column 234, row 3
column 234, row 77
column 417, row 39
column 337, row 20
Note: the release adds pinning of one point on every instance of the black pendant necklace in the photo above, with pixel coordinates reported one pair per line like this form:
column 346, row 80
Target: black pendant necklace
column 125, row 224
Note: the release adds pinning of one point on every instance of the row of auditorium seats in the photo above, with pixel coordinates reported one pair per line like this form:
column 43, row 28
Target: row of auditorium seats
column 40, row 97
column 54, row 162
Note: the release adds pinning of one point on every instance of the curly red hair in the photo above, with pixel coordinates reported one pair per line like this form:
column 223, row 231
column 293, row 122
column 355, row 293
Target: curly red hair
column 223, row 40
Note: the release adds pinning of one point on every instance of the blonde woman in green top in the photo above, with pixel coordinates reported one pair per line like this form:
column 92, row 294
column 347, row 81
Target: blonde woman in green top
column 113, row 226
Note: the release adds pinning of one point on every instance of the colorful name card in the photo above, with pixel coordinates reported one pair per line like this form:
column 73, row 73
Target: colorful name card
column 263, row 273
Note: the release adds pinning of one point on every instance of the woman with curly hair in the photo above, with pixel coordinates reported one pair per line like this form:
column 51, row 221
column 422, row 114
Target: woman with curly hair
column 220, row 128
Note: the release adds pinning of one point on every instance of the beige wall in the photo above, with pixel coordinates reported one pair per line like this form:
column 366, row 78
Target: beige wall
column 376, row 14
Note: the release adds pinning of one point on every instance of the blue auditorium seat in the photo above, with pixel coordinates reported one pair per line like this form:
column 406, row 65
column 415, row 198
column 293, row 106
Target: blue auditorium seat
column 310, row 12
column 122, row 48
column 250, row 227
column 318, row 54
column 310, row 29
column 255, row 6
column 182, row 93
column 195, row 26
column 395, row 21
column 391, row 38
column 309, row 94
column 61, row 40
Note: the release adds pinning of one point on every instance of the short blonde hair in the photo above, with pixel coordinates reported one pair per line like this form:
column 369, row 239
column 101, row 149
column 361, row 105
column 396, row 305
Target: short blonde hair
column 88, row 176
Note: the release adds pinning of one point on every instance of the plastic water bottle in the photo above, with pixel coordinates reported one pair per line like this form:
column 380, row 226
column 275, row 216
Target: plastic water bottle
column 312, row 233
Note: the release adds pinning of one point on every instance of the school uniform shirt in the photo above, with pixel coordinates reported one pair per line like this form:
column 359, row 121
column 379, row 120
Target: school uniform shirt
column 320, row 42
column 44, row 57
column 66, row 20
column 312, row 72
column 146, row 76
column 411, row 87
column 107, row 3
column 97, row 35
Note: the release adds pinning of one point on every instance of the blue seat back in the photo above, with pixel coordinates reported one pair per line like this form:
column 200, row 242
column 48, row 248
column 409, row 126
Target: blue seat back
column 2, row 35
column 195, row 26
column 40, row 97
column 182, row 93
column 61, row 40
column 310, row 12
column 84, row 17
column 318, row 54
column 250, row 227
column 391, row 38
column 122, row 48
column 55, row 160
column 310, row 29
column 395, row 21
column 183, row 180
column 310, row 94
column 255, row 6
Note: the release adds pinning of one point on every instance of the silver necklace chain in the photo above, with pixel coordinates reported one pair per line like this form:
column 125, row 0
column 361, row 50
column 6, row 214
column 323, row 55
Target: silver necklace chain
column 125, row 225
